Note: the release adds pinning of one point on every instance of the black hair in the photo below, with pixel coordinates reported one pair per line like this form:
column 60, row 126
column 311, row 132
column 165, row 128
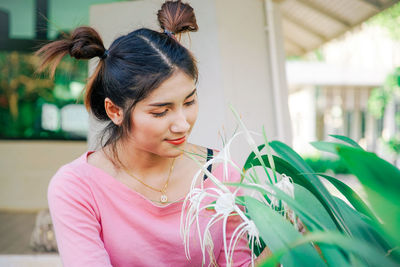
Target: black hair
column 133, row 66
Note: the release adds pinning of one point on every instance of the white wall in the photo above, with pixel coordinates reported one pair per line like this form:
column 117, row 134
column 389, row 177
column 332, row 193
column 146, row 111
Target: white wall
column 232, row 50
column 303, row 113
column 27, row 167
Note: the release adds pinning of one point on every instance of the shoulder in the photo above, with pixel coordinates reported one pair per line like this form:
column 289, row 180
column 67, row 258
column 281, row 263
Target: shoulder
column 71, row 179
column 76, row 167
column 70, row 190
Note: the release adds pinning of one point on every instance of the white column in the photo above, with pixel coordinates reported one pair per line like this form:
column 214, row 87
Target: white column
column 321, row 106
column 370, row 127
column 357, row 116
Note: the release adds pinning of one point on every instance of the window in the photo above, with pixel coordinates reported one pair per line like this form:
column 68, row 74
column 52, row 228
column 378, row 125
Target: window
column 32, row 106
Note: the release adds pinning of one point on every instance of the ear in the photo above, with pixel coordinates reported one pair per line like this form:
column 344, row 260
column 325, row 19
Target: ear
column 114, row 112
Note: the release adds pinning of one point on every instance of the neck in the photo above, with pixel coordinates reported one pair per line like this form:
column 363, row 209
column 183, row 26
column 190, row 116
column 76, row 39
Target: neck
column 139, row 161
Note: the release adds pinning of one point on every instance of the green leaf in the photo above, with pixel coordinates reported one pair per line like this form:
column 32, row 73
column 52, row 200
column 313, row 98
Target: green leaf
column 278, row 233
column 347, row 140
column 333, row 255
column 381, row 181
column 284, row 167
column 251, row 157
column 281, row 166
column 362, row 228
column 305, row 215
column 312, row 214
column 330, row 147
column 360, row 248
column 318, row 189
column 350, row 195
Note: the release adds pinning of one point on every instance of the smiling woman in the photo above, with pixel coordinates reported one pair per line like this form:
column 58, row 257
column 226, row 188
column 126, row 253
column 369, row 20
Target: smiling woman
column 161, row 122
column 121, row 205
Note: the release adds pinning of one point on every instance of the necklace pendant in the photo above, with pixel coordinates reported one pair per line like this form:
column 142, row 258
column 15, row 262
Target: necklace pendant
column 163, row 198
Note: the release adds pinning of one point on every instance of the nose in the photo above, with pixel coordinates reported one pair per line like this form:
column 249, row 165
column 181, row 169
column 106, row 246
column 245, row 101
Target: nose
column 180, row 123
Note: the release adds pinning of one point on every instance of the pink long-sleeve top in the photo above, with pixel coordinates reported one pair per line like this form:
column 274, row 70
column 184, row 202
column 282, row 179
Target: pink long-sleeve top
column 99, row 221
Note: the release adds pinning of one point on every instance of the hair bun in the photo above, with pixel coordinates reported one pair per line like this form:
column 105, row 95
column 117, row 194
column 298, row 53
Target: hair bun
column 177, row 17
column 86, row 44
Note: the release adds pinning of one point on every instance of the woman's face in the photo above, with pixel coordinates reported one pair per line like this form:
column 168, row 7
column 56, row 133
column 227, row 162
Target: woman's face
column 162, row 121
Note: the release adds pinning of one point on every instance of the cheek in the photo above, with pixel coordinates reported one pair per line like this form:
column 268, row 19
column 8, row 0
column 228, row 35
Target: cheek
column 145, row 127
column 192, row 116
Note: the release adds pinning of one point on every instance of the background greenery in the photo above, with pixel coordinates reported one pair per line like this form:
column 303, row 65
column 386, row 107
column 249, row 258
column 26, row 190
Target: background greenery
column 321, row 164
column 23, row 93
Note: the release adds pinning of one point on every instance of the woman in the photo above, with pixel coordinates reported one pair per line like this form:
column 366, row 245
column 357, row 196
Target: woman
column 121, row 205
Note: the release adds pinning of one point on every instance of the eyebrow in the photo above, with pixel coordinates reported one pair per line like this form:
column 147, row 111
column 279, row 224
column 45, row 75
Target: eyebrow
column 170, row 103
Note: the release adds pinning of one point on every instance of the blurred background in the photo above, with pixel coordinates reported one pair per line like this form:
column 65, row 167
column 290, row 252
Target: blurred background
column 304, row 69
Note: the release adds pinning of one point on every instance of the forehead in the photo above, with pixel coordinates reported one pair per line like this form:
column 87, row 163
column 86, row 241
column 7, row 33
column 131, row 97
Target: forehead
column 178, row 86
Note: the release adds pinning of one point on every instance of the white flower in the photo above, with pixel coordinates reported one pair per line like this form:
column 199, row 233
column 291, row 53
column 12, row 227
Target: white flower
column 224, row 206
column 285, row 185
column 224, row 202
column 249, row 227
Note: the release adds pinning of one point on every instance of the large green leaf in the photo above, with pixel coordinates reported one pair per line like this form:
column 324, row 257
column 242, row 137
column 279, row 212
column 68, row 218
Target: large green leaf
column 282, row 167
column 333, row 255
column 251, row 157
column 311, row 221
column 330, row 147
column 314, row 215
column 347, row 140
column 361, row 229
column 350, row 195
column 319, row 189
column 357, row 247
column 381, row 181
column 278, row 233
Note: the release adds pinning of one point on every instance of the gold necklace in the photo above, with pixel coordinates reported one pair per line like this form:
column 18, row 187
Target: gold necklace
column 163, row 191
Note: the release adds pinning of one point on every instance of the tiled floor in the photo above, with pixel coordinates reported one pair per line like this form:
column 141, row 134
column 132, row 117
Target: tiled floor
column 42, row 260
column 15, row 232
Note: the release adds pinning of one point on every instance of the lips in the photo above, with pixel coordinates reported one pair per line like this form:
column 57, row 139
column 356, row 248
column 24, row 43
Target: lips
column 177, row 141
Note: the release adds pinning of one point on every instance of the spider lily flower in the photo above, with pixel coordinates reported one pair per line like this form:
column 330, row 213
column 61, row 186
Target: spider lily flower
column 249, row 227
column 223, row 201
column 285, row 185
column 224, row 207
column 253, row 144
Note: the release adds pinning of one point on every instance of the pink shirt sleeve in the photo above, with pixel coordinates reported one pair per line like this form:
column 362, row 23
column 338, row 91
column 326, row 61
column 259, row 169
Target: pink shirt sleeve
column 76, row 223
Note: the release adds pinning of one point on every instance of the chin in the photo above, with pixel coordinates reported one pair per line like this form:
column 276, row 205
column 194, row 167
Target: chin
column 175, row 151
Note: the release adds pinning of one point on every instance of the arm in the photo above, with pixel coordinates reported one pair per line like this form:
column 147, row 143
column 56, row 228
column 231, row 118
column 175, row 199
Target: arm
column 263, row 256
column 76, row 224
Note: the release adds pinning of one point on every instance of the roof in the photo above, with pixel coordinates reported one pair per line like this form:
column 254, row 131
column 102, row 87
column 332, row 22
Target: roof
column 307, row 24
column 303, row 73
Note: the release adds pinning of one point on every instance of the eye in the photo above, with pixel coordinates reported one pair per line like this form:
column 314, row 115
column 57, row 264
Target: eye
column 190, row 102
column 161, row 114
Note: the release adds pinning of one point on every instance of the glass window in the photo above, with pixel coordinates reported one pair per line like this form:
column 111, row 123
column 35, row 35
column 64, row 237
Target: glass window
column 32, row 106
